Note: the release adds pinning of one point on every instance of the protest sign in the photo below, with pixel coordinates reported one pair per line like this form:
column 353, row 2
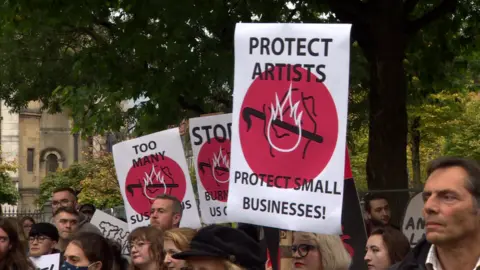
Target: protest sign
column 289, row 114
column 210, row 137
column 153, row 165
column 47, row 262
column 413, row 225
column 112, row 228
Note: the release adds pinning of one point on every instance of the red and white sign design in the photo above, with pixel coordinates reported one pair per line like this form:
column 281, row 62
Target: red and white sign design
column 210, row 138
column 290, row 113
column 153, row 165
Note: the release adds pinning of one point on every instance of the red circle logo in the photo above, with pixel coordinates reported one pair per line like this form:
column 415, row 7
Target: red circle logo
column 154, row 176
column 214, row 167
column 288, row 128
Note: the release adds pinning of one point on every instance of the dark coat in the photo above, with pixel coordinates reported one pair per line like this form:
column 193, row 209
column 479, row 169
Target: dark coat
column 416, row 258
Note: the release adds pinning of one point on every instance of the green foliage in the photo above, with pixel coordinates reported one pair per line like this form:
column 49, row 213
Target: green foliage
column 8, row 191
column 63, row 178
column 94, row 179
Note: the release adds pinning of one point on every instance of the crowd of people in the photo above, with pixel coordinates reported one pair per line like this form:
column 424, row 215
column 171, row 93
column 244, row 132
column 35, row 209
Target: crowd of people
column 452, row 233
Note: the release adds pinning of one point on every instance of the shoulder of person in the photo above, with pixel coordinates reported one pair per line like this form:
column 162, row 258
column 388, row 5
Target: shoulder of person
column 89, row 227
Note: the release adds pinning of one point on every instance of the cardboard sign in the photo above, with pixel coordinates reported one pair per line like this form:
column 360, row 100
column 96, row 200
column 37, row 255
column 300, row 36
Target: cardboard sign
column 210, row 137
column 150, row 166
column 413, row 225
column 47, row 262
column 290, row 113
column 112, row 228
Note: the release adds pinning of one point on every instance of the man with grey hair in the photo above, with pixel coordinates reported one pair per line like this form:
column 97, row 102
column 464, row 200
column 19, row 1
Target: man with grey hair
column 166, row 212
column 452, row 218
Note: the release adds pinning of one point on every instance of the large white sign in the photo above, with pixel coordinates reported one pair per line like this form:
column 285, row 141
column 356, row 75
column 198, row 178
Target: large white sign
column 289, row 123
column 153, row 165
column 210, row 137
column 413, row 225
column 47, row 262
column 112, row 228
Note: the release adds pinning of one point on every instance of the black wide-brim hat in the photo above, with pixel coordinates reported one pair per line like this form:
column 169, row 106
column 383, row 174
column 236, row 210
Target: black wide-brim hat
column 223, row 242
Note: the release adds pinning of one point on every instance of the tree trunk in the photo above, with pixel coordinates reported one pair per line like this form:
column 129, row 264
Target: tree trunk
column 415, row 150
column 388, row 128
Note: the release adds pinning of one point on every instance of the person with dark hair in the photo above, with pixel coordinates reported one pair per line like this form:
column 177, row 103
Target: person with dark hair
column 26, row 224
column 67, row 197
column 12, row 253
column 222, row 247
column 66, row 221
column 88, row 210
column 119, row 261
column 452, row 218
column 377, row 210
column 42, row 239
column 146, row 249
column 166, row 212
column 88, row 251
column 385, row 247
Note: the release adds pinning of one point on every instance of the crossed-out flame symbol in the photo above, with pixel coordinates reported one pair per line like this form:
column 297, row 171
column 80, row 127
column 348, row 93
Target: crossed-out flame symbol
column 217, row 161
column 277, row 112
column 149, row 180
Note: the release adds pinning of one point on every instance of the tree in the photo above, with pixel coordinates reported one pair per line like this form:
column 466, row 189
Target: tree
column 90, row 57
column 94, row 180
column 8, row 191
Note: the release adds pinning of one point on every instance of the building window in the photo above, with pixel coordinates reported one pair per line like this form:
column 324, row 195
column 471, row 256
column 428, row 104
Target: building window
column 51, row 163
column 30, row 159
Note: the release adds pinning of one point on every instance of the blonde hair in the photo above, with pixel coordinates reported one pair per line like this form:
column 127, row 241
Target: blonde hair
column 180, row 237
column 333, row 253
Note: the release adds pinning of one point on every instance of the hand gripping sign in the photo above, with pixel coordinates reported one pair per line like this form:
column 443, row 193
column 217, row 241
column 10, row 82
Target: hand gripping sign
column 290, row 113
column 210, row 138
column 153, row 165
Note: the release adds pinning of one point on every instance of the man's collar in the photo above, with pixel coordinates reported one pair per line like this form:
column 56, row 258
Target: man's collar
column 433, row 263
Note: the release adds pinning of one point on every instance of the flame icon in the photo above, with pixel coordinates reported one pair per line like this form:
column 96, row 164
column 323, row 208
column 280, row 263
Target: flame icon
column 149, row 180
column 217, row 162
column 277, row 113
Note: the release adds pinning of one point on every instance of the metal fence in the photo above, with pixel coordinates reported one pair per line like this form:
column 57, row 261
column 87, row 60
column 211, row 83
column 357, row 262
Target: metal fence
column 37, row 214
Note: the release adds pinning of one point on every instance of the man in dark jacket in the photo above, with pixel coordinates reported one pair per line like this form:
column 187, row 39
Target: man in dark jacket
column 452, row 218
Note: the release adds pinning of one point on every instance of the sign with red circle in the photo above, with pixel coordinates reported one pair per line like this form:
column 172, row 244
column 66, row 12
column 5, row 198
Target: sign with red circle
column 157, row 175
column 288, row 128
column 214, row 167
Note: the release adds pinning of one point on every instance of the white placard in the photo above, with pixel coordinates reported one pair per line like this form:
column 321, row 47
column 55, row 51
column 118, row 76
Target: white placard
column 289, row 123
column 149, row 166
column 47, row 262
column 112, row 228
column 413, row 225
column 210, row 137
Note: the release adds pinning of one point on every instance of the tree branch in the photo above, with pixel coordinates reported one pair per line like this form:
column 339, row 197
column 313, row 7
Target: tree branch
column 446, row 6
column 348, row 11
column 409, row 6
column 193, row 107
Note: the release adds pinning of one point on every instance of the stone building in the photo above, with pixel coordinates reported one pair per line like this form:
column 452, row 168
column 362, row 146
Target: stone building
column 39, row 143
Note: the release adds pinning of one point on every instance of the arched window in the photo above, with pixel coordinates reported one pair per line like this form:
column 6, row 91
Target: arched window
column 51, row 163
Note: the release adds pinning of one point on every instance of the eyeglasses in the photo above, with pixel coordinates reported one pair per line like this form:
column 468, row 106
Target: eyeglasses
column 40, row 238
column 302, row 249
column 138, row 245
column 63, row 202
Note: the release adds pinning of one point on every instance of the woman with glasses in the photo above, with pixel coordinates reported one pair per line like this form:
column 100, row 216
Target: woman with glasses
column 12, row 254
column 146, row 249
column 177, row 240
column 312, row 251
column 88, row 251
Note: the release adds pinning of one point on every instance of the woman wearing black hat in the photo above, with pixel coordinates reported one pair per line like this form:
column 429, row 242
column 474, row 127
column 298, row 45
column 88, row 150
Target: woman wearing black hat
column 220, row 247
column 12, row 253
